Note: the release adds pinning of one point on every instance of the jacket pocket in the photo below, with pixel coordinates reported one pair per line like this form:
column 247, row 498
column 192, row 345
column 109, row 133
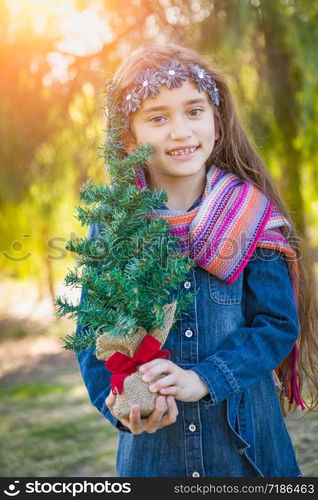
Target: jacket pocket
column 226, row 293
column 240, row 421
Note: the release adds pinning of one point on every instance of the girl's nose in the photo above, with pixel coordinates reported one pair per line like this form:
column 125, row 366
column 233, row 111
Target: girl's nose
column 180, row 130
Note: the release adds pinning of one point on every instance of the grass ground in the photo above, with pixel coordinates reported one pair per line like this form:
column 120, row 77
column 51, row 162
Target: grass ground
column 49, row 428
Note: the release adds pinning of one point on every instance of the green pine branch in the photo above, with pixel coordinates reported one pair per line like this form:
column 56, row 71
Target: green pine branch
column 80, row 342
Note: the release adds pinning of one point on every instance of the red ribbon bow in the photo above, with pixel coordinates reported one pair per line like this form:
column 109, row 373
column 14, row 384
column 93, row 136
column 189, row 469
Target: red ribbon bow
column 121, row 365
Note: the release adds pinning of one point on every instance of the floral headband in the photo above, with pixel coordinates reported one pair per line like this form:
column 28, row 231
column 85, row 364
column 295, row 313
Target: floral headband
column 173, row 74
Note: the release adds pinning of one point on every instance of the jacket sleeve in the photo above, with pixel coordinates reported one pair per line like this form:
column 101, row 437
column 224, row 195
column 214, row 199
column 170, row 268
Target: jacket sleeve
column 272, row 327
column 94, row 373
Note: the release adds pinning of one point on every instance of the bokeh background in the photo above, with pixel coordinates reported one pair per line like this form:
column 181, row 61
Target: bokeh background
column 54, row 59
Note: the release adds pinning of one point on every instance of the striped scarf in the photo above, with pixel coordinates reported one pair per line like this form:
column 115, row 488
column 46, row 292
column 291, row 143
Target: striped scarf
column 220, row 235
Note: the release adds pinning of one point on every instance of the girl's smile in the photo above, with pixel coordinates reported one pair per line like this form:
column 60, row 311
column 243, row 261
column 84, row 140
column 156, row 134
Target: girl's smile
column 183, row 153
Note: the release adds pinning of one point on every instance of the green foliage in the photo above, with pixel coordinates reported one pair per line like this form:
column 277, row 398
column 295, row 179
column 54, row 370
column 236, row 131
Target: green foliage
column 131, row 269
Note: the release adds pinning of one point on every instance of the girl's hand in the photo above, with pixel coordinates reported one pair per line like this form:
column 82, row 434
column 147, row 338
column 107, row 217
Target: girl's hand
column 184, row 385
column 165, row 413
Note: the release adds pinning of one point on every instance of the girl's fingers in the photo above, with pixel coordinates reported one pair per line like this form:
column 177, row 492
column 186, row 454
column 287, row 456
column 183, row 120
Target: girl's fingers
column 163, row 366
column 125, row 422
column 165, row 412
column 161, row 406
column 135, row 423
column 171, row 391
column 163, row 383
column 171, row 416
column 146, row 366
column 153, row 422
column 110, row 400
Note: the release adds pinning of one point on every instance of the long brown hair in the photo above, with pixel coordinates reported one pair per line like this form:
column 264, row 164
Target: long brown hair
column 234, row 153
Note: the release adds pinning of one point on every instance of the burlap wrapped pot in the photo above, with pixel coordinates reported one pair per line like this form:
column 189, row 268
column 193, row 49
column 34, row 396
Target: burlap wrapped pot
column 135, row 390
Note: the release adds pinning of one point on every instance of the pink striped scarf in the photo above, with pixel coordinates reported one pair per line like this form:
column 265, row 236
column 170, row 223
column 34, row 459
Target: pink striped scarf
column 220, row 235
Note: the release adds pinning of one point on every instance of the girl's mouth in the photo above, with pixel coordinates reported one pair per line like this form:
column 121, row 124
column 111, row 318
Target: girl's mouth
column 183, row 154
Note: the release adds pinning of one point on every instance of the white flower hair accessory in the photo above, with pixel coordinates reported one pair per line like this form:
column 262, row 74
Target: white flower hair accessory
column 173, row 74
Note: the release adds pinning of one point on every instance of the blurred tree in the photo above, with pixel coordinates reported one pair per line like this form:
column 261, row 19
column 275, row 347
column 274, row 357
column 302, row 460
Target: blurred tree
column 49, row 139
column 50, row 129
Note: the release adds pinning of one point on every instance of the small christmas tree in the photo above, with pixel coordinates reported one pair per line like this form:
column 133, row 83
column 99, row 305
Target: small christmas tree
column 130, row 270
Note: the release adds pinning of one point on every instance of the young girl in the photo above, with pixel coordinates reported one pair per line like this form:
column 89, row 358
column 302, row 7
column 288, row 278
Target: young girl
column 234, row 359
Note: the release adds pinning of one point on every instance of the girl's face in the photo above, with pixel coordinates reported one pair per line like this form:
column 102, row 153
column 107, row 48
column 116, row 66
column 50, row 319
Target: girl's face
column 179, row 124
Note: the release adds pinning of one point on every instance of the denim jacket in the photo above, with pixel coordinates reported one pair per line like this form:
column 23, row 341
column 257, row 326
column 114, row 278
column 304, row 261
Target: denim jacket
column 232, row 336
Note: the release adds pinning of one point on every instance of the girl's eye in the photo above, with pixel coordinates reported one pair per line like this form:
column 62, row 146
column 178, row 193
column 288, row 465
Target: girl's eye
column 193, row 112
column 157, row 119
column 196, row 111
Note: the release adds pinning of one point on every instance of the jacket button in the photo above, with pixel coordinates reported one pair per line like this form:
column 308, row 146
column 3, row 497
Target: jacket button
column 187, row 284
column 240, row 452
column 188, row 333
column 192, row 427
column 195, row 474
